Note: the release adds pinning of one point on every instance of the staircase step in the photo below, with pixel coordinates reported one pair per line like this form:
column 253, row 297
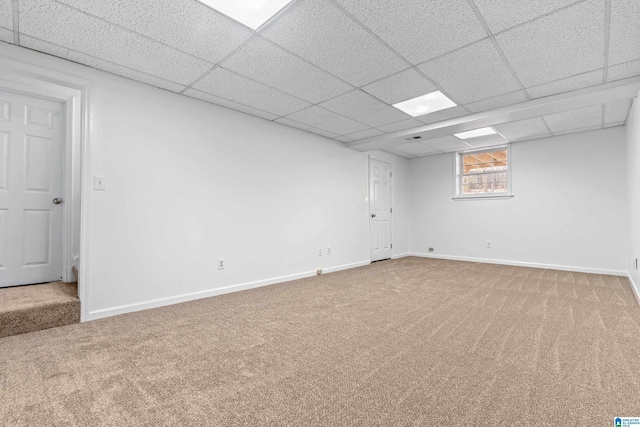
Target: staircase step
column 36, row 307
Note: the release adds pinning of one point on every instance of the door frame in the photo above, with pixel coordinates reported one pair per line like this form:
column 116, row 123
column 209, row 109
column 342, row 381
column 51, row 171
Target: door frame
column 73, row 92
column 379, row 159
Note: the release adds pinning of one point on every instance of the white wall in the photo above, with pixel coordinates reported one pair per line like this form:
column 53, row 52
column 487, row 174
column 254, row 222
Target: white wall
column 189, row 182
column 633, row 193
column 569, row 208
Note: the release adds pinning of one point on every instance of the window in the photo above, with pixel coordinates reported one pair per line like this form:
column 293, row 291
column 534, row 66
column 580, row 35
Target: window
column 483, row 173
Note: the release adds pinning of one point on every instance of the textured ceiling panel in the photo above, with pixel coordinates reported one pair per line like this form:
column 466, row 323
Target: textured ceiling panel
column 6, row 35
column 6, row 14
column 403, row 125
column 43, row 46
column 400, row 87
column 229, row 104
column 229, row 85
column 565, row 43
column 616, row 111
column 498, row 101
column 327, row 120
column 472, row 73
column 183, row 24
column 586, row 129
column 624, row 38
column 317, row 31
column 567, row 84
column 521, row 129
column 122, row 71
column 415, row 149
column 622, row 71
column 575, row 119
column 364, row 108
column 406, row 24
column 446, row 143
column 267, row 63
column 364, row 134
column 449, row 113
column 503, row 14
column 67, row 27
column 304, row 127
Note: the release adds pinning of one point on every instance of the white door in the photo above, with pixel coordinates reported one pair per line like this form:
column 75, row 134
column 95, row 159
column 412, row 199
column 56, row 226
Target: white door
column 380, row 209
column 30, row 190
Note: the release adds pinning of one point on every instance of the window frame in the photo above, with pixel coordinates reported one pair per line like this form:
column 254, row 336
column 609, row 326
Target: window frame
column 457, row 174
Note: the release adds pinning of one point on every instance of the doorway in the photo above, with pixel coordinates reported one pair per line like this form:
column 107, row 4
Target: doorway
column 31, row 189
column 379, row 209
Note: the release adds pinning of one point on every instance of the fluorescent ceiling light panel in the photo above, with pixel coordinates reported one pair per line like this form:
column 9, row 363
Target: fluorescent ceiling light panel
column 475, row 133
column 251, row 13
column 425, row 104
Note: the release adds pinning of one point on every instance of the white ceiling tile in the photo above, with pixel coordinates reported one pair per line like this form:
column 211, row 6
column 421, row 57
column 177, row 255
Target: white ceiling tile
column 565, row 43
column 523, row 129
column 446, row 144
column 6, row 14
column 579, row 81
column 486, row 141
column 622, row 71
column 498, row 101
column 624, row 35
column 368, row 133
column 6, row 35
column 343, row 139
column 419, row 30
column 121, row 71
column 405, row 85
column 43, row 46
column 575, row 119
column 328, row 120
column 503, row 14
column 67, row 27
column 270, row 64
column 391, row 150
column 414, row 149
column 319, row 32
column 616, row 111
column 364, row 108
column 192, row 93
column 472, row 73
column 183, row 24
column 229, row 85
column 449, row 113
column 403, row 125
column 586, row 129
column 292, row 123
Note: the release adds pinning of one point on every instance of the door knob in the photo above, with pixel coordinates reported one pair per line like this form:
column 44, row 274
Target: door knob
column 57, row 201
column 373, row 215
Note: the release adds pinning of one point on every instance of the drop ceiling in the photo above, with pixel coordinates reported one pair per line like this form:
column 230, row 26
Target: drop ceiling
column 335, row 67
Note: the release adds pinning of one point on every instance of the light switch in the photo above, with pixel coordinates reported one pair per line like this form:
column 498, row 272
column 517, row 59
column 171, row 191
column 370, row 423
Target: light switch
column 99, row 183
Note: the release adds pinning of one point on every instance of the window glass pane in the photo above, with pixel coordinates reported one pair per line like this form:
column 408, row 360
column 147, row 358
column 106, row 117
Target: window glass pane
column 484, row 173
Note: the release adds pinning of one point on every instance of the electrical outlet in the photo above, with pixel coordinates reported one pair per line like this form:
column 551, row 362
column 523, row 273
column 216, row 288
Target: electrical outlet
column 328, row 251
column 220, row 263
column 319, row 272
column 489, row 244
column 430, row 249
column 320, row 252
column 99, row 183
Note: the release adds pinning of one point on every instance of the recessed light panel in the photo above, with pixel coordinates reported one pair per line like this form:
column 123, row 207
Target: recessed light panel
column 251, row 13
column 425, row 104
column 475, row 133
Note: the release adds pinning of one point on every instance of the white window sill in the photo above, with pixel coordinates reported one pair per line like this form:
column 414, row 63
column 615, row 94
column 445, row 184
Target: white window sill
column 490, row 196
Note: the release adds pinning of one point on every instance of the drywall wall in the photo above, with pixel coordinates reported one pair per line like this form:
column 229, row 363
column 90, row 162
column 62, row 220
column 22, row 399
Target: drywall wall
column 569, row 208
column 188, row 182
column 633, row 192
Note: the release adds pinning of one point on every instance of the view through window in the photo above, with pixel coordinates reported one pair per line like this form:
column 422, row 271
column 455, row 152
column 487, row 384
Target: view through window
column 483, row 172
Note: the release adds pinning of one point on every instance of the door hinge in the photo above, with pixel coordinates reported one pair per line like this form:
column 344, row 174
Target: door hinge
column 390, row 174
column 390, row 210
column 392, row 246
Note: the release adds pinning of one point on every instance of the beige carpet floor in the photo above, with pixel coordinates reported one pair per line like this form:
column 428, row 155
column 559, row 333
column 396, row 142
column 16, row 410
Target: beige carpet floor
column 36, row 307
column 409, row 342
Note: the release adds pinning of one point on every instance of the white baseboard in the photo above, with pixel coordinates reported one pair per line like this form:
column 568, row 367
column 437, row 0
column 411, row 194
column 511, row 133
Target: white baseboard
column 402, row 255
column 524, row 264
column 634, row 288
column 161, row 302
